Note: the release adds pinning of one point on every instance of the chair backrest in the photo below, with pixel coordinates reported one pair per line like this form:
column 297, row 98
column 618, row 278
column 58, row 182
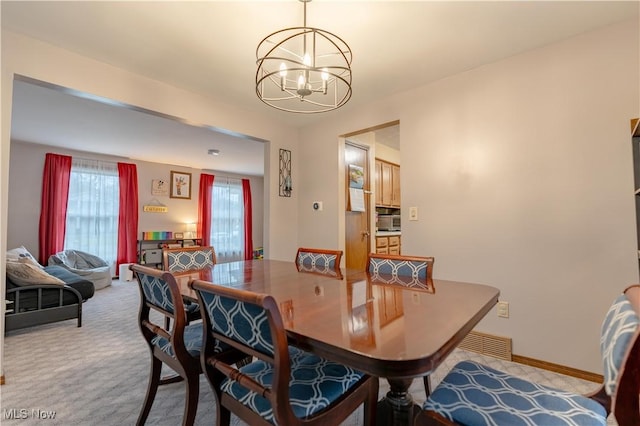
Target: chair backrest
column 188, row 258
column 400, row 266
column 159, row 291
column 620, row 347
column 251, row 323
column 319, row 260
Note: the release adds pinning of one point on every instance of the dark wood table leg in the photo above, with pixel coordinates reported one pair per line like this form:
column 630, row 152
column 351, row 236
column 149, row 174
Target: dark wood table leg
column 397, row 407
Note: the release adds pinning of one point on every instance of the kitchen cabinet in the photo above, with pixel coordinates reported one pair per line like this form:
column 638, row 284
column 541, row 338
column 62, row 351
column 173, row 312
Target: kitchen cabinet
column 388, row 244
column 387, row 184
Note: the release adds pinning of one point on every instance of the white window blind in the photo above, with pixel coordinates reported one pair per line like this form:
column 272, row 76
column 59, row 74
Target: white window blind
column 92, row 209
column 227, row 219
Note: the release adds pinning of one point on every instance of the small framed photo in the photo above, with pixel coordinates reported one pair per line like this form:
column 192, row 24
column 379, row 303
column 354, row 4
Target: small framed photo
column 178, row 235
column 180, row 185
column 159, row 187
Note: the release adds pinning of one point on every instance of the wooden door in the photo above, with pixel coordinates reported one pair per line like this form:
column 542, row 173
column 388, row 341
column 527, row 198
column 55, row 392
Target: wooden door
column 357, row 238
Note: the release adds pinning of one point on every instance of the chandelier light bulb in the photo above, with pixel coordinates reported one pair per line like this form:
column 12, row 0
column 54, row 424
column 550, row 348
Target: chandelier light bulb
column 283, row 76
column 325, row 78
column 283, row 70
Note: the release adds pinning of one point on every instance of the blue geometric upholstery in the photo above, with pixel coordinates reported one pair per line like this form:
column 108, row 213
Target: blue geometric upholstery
column 317, row 260
column 619, row 327
column 186, row 259
column 398, row 267
column 326, row 262
column 242, row 322
column 315, row 383
column 156, row 292
column 282, row 384
column 192, row 341
column 474, row 394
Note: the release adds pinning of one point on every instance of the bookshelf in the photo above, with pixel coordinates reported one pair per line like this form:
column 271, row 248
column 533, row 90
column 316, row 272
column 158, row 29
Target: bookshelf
column 150, row 251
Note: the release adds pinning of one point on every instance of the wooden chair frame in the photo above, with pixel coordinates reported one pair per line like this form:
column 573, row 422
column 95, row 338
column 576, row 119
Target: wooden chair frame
column 625, row 402
column 187, row 367
column 429, row 260
column 191, row 315
column 337, row 253
column 365, row 391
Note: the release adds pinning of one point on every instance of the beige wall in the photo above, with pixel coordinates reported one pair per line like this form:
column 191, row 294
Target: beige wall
column 25, row 188
column 522, row 174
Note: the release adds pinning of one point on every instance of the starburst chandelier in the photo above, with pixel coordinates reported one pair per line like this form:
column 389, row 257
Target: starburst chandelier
column 303, row 69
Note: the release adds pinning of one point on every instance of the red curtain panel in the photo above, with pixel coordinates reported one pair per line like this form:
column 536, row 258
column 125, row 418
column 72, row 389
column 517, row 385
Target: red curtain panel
column 204, row 208
column 128, row 214
column 248, row 240
column 53, row 212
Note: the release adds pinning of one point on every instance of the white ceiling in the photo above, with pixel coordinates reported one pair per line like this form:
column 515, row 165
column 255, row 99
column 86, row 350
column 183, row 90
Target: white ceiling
column 208, row 47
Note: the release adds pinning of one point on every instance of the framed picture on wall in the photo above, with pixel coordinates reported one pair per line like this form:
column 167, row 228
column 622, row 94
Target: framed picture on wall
column 159, row 187
column 180, row 185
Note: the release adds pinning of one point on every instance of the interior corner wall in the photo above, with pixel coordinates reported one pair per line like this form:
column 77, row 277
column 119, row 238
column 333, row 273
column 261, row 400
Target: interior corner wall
column 522, row 174
column 25, row 189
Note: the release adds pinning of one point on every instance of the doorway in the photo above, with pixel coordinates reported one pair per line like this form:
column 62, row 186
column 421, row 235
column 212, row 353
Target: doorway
column 360, row 147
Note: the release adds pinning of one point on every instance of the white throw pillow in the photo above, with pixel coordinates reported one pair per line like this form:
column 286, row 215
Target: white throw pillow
column 25, row 273
column 21, row 254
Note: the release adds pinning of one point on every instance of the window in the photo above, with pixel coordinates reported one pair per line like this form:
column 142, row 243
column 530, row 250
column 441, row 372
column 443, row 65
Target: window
column 227, row 219
column 92, row 209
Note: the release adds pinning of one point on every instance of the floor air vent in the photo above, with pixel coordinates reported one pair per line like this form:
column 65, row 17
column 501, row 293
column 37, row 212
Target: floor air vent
column 487, row 344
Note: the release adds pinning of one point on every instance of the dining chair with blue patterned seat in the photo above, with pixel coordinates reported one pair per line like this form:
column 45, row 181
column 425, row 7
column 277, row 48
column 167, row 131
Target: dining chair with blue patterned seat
column 188, row 259
column 178, row 347
column 284, row 385
column 474, row 394
column 321, row 261
column 399, row 265
column 418, row 268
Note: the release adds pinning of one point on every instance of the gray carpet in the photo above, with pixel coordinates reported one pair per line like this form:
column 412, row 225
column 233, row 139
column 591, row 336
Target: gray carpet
column 97, row 374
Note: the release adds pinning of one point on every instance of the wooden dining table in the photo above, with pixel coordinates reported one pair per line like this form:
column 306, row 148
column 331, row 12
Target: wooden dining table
column 379, row 325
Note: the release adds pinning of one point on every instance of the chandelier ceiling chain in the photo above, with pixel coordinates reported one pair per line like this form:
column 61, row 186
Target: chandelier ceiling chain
column 303, row 69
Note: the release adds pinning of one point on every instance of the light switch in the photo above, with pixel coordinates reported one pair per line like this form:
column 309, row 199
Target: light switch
column 413, row 213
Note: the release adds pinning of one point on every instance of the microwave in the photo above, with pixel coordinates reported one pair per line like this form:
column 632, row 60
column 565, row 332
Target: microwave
column 389, row 222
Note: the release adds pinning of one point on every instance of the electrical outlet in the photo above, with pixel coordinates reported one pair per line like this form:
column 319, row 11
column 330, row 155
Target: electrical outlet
column 503, row 309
